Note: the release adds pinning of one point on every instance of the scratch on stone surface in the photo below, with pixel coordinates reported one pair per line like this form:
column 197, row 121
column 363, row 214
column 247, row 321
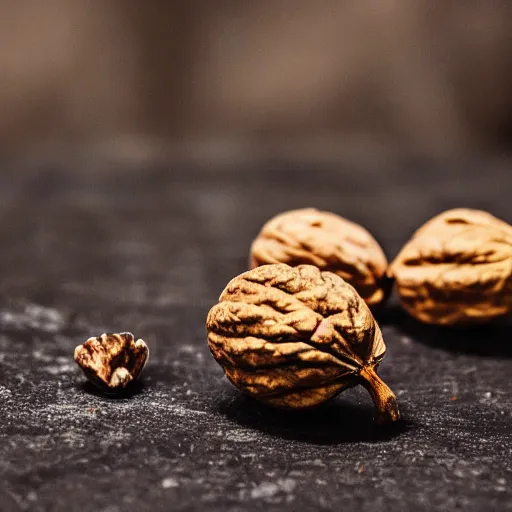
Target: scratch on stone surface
column 178, row 409
column 240, row 436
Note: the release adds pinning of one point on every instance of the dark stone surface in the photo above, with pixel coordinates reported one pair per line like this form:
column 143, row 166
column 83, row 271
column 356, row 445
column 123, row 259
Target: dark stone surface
column 148, row 249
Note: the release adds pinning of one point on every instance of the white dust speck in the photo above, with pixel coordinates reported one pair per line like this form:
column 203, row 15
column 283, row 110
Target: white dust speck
column 72, row 438
column 168, row 483
column 264, row 490
column 287, row 484
column 64, row 364
column 5, row 392
column 270, row 489
column 34, row 316
column 58, row 369
column 111, row 508
column 40, row 356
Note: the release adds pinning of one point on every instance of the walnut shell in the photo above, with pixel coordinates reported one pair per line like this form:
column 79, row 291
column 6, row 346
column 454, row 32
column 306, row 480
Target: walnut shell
column 294, row 337
column 456, row 269
column 329, row 242
column 112, row 361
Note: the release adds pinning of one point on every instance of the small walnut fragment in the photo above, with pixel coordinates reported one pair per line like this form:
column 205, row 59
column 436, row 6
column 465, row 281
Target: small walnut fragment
column 456, row 269
column 294, row 337
column 329, row 242
column 112, row 361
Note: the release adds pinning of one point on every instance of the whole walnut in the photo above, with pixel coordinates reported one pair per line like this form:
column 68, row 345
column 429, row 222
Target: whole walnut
column 294, row 337
column 456, row 269
column 329, row 242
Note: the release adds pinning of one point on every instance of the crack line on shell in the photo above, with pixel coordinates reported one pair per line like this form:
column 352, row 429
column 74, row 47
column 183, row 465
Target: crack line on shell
column 307, row 348
column 345, row 361
column 298, row 336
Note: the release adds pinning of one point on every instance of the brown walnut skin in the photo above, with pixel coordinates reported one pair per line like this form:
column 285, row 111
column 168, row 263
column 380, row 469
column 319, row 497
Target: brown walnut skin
column 112, row 361
column 456, row 269
column 329, row 242
column 294, row 337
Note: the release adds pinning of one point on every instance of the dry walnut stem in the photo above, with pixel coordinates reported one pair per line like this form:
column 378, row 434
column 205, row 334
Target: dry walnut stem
column 456, row 269
column 112, row 361
column 294, row 337
column 329, row 242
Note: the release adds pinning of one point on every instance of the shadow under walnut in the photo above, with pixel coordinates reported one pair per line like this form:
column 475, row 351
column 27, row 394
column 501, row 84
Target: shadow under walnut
column 331, row 423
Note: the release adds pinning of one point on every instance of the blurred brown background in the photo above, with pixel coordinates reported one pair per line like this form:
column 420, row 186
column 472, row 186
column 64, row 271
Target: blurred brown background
column 426, row 76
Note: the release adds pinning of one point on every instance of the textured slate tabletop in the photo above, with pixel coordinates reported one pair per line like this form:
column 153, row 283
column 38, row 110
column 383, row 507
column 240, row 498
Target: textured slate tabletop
column 91, row 247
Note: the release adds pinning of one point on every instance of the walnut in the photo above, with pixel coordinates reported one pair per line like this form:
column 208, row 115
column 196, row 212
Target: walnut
column 112, row 361
column 293, row 337
column 456, row 269
column 328, row 241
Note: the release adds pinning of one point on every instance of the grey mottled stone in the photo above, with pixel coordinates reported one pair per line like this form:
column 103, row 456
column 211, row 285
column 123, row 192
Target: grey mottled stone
column 148, row 250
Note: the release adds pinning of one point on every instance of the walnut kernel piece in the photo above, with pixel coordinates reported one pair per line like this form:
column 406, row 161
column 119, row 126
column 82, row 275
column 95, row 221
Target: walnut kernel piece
column 112, row 361
column 294, row 337
column 329, row 242
column 456, row 269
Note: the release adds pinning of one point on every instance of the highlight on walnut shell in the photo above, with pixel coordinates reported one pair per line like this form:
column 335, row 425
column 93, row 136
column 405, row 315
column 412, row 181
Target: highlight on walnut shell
column 294, row 337
column 328, row 241
column 456, row 269
column 112, row 361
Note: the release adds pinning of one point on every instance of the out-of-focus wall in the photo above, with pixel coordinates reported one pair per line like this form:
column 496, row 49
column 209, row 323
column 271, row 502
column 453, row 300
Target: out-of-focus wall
column 424, row 76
